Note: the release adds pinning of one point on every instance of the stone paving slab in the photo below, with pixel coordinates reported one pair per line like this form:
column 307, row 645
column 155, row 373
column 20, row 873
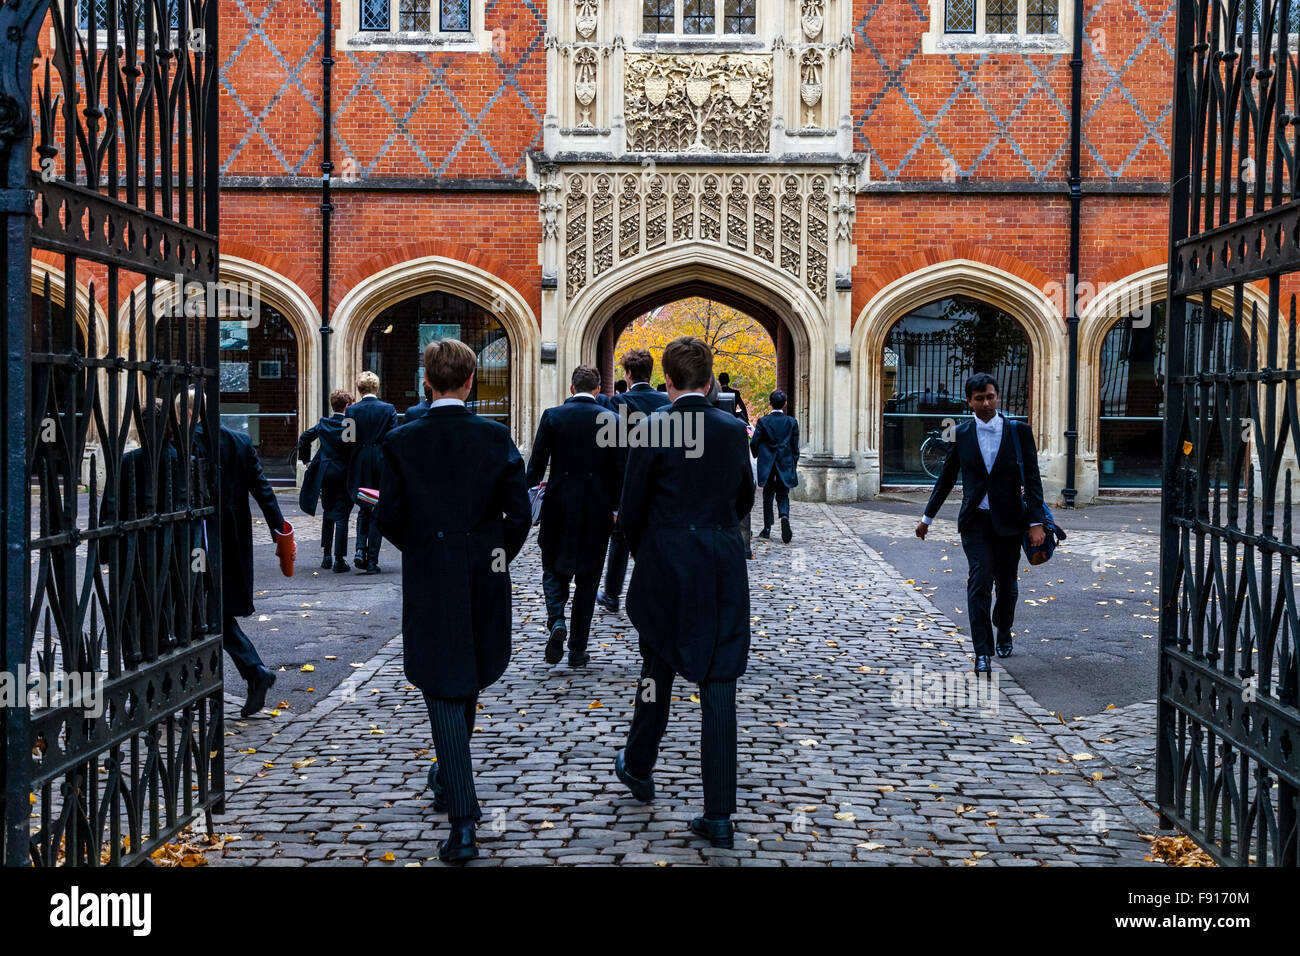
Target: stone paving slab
column 859, row 744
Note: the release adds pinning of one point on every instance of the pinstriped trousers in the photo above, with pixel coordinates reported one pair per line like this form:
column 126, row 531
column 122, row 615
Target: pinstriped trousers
column 717, row 733
column 453, row 723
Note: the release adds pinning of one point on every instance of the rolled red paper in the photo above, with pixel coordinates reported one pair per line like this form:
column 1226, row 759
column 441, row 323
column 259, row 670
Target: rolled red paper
column 286, row 549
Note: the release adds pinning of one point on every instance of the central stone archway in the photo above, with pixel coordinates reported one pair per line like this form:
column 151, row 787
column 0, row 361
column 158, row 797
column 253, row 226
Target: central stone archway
column 789, row 312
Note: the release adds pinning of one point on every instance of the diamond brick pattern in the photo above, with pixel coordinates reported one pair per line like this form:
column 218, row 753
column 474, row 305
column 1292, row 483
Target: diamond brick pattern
column 396, row 114
column 1007, row 115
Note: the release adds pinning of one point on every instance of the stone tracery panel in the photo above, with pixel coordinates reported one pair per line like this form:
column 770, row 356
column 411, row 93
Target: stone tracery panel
column 698, row 103
column 743, row 212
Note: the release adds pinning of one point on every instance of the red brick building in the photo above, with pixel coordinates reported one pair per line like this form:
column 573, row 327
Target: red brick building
column 884, row 184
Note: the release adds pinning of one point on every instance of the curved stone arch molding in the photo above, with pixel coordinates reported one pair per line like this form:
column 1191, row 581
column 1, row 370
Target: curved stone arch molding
column 367, row 298
column 58, row 292
column 1149, row 284
column 1026, row 302
column 277, row 290
column 801, row 312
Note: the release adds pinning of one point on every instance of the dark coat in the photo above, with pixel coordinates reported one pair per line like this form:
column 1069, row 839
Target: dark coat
column 776, row 446
column 582, row 490
column 326, row 480
column 241, row 476
column 416, row 412
column 373, row 420
column 640, row 397
column 689, row 594
column 1002, row 484
column 453, row 501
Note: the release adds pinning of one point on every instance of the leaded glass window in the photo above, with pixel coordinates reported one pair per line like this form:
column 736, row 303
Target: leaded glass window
column 1042, row 16
column 698, row 16
column 101, row 14
column 1001, row 16
column 455, row 16
column 960, row 16
column 657, row 16
column 413, row 16
column 739, row 16
column 374, row 14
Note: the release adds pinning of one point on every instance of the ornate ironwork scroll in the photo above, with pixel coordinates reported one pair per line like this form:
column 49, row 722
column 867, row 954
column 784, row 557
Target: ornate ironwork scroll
column 112, row 613
column 1228, row 764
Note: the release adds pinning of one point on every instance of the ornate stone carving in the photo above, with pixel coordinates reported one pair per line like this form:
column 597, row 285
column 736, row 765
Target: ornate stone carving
column 811, row 17
column 585, row 18
column 602, row 227
column 576, row 237
column 791, row 232
column 810, row 85
column 698, row 103
column 764, row 220
column 683, row 210
column 737, row 215
column 632, row 213
column 629, row 219
column 585, row 62
column 818, row 237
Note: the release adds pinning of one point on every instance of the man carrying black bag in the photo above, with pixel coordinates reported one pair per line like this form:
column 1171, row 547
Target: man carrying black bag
column 993, row 517
column 681, row 508
column 452, row 499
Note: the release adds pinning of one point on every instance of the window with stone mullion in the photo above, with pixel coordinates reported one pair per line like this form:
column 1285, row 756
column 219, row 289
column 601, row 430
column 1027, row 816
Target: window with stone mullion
column 455, row 16
column 960, row 16
column 1042, row 16
column 1000, row 16
column 374, row 15
column 657, row 16
column 699, row 17
column 413, row 16
column 739, row 17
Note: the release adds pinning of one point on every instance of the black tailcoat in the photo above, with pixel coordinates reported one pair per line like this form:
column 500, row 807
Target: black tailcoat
column 326, row 480
column 453, row 501
column 373, row 420
column 1002, row 484
column 641, row 397
column 241, row 476
column 416, row 412
column 689, row 595
column 582, row 490
column 776, row 446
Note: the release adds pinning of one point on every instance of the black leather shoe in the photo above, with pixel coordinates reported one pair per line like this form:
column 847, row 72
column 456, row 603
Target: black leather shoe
column 262, row 681
column 720, row 833
column 643, row 790
column 326, row 562
column 459, row 847
column 1004, row 644
column 578, row 658
column 766, row 533
column 359, row 561
column 372, row 567
column 983, row 664
column 341, row 566
column 555, row 646
column 786, row 533
column 610, row 604
column 439, row 795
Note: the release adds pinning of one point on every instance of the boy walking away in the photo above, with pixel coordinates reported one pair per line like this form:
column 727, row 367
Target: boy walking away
column 776, row 446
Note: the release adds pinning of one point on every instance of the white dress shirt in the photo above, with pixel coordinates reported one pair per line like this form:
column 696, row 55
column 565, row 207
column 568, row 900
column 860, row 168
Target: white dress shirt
column 439, row 403
column 989, row 436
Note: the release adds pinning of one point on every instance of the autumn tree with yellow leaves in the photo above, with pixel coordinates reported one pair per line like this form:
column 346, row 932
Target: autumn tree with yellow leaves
column 741, row 346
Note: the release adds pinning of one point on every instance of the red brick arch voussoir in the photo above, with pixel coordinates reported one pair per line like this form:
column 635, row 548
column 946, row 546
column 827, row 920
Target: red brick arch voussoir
column 528, row 289
column 866, row 288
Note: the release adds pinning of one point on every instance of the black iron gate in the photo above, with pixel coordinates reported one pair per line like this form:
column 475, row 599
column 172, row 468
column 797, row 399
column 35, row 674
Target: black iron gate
column 1229, row 730
column 112, row 651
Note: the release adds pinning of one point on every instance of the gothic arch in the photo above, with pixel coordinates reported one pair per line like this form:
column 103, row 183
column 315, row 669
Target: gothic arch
column 58, row 291
column 396, row 283
column 277, row 291
column 739, row 280
column 1112, row 303
column 1027, row 303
